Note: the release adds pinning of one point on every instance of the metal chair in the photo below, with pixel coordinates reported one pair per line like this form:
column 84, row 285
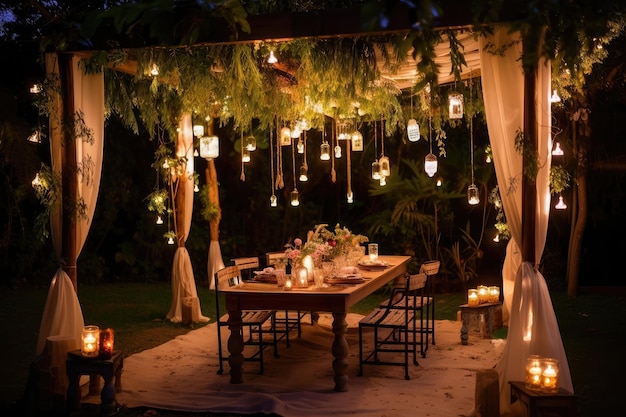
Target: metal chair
column 253, row 322
column 394, row 328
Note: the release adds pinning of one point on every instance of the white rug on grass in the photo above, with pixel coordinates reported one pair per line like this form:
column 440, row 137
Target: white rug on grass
column 181, row 375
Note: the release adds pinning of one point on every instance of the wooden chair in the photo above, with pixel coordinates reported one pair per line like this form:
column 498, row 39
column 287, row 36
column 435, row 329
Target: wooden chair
column 288, row 322
column 394, row 328
column 253, row 322
column 246, row 265
column 425, row 305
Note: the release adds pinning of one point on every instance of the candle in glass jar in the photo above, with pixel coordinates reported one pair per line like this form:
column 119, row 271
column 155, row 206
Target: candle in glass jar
column 90, row 338
column 533, row 372
column 288, row 284
column 482, row 294
column 494, row 294
column 472, row 297
column 550, row 375
column 106, row 344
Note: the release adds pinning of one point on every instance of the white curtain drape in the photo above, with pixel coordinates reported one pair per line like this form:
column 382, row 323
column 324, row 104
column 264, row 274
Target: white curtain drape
column 532, row 325
column 184, row 293
column 216, row 262
column 62, row 313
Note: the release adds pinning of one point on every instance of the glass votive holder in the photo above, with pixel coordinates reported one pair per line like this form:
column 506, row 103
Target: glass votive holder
column 494, row 294
column 372, row 251
column 281, row 277
column 472, row 297
column 534, row 372
column 318, row 277
column 483, row 294
column 550, row 375
column 90, row 341
column 106, row 344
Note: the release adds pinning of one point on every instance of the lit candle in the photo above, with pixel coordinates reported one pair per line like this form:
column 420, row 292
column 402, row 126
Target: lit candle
column 533, row 372
column 288, row 284
column 308, row 263
column 90, row 341
column 550, row 375
column 482, row 294
column 106, row 344
column 494, row 294
column 472, row 297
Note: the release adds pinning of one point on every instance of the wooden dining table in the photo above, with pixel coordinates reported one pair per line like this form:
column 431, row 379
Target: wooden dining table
column 336, row 299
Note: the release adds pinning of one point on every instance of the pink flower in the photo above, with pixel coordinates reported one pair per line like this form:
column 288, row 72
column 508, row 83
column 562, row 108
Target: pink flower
column 297, row 241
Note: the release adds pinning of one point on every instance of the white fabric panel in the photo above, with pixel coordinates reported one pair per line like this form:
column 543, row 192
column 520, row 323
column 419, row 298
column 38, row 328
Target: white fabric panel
column 503, row 95
column 183, row 280
column 216, row 262
column 183, row 286
column 62, row 313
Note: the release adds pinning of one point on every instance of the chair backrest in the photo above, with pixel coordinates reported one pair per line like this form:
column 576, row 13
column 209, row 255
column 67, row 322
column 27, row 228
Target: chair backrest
column 247, row 264
column 272, row 258
column 229, row 276
column 430, row 267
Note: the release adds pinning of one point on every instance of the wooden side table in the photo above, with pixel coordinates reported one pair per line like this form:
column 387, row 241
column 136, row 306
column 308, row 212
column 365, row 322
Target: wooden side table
column 491, row 312
column 77, row 365
column 562, row 403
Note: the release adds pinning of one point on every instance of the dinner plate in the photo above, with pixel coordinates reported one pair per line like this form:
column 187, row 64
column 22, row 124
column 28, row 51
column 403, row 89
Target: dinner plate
column 345, row 279
column 373, row 265
column 266, row 278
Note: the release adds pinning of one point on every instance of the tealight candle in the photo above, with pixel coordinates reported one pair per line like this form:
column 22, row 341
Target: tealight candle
column 106, row 344
column 550, row 375
column 494, row 294
column 472, row 297
column 90, row 339
column 288, row 284
column 533, row 372
column 372, row 251
column 482, row 294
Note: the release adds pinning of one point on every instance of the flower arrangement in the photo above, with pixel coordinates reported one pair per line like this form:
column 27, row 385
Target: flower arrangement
column 322, row 243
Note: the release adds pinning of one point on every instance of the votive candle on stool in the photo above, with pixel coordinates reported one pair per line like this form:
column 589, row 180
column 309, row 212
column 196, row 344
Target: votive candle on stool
column 483, row 294
column 472, row 297
column 494, row 294
column 550, row 375
column 106, row 344
column 89, row 341
column 534, row 372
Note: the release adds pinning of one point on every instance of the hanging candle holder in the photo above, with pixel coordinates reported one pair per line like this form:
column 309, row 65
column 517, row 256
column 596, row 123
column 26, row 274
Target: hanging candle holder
column 337, row 151
column 198, row 130
column 385, row 168
column 455, row 105
column 375, row 170
column 430, row 164
column 325, row 151
column 250, row 143
column 413, row 130
column 357, row 141
column 303, row 173
column 209, row 147
column 295, row 198
column 285, row 136
column 473, row 197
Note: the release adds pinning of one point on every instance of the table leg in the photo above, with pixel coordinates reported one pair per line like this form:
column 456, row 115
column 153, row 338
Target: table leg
column 235, row 346
column 464, row 329
column 340, row 352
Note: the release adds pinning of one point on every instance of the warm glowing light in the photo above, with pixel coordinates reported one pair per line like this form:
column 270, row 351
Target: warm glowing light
column 170, row 241
column 337, row 151
column 555, row 97
column 198, row 130
column 430, row 164
column 557, row 151
column 385, row 168
column 159, row 220
column 455, row 105
column 273, row 201
column 36, row 181
column 375, row 170
column 357, row 141
column 561, row 204
column 90, row 338
column 350, row 197
column 272, row 58
column 383, row 180
column 496, row 238
column 295, row 198
column 154, row 70
column 473, row 196
column 413, row 130
column 325, row 151
column 35, row 137
column 245, row 155
column 439, row 182
column 196, row 188
column 300, row 146
column 303, row 174
column 35, row 89
column 472, row 297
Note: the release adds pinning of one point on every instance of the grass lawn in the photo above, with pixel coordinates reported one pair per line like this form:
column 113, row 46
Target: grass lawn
column 592, row 326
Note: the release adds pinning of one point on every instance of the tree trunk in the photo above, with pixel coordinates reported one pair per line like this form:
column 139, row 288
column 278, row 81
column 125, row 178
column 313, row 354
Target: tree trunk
column 579, row 203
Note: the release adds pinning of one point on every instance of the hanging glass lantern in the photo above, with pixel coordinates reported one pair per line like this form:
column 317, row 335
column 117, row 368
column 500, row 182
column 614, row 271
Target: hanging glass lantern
column 561, row 204
column 337, row 151
column 272, row 58
column 430, row 164
column 209, row 147
column 343, row 131
column 170, row 241
column 557, row 151
column 413, row 130
column 303, row 174
column 159, row 220
column 250, row 143
column 473, row 196
column 198, row 130
column 295, row 197
column 455, row 105
column 273, row 201
column 245, row 155
column 300, row 146
column 357, row 141
column 375, row 170
column 383, row 180
column 325, row 151
column 385, row 168
column 296, row 132
column 285, row 136
column 350, row 197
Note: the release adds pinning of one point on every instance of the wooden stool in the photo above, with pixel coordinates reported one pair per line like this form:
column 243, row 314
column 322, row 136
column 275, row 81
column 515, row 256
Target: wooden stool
column 538, row 403
column 492, row 313
column 77, row 365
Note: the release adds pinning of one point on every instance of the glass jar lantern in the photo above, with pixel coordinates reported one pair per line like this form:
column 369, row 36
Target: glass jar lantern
column 300, row 276
column 89, row 341
column 533, row 372
column 550, row 375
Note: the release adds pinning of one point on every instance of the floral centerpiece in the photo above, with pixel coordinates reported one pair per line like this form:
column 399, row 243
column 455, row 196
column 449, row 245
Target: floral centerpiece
column 324, row 244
